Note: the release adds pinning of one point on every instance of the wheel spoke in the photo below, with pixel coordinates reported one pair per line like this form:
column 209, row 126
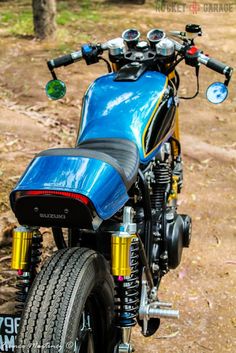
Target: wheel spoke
column 84, row 342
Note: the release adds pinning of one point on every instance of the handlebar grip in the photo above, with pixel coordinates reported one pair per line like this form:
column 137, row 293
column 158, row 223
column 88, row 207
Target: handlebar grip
column 77, row 55
column 218, row 66
column 61, row 61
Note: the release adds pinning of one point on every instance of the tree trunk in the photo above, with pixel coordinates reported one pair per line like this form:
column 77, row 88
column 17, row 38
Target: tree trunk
column 44, row 13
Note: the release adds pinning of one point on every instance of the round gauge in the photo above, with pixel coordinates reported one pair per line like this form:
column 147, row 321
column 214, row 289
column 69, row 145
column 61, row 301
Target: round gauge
column 131, row 35
column 155, row 35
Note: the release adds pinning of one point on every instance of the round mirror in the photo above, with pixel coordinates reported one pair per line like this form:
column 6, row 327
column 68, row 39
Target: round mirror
column 217, row 92
column 55, row 89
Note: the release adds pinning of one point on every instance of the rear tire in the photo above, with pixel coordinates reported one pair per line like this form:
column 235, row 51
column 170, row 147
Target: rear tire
column 70, row 306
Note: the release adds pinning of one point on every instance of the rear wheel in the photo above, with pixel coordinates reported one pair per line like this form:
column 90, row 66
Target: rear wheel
column 70, row 306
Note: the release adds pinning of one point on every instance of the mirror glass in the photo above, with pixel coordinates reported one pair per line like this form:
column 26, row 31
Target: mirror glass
column 55, row 89
column 217, row 92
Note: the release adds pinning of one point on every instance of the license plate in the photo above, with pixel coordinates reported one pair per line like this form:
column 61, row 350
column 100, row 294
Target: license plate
column 8, row 329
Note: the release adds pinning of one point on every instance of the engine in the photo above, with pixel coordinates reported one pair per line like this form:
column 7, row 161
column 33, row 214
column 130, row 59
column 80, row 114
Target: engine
column 171, row 231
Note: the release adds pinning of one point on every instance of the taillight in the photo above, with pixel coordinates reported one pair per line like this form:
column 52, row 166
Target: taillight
column 71, row 195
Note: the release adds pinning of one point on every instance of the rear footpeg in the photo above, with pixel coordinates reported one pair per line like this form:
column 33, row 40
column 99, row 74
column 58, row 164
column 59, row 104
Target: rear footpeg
column 152, row 313
column 153, row 309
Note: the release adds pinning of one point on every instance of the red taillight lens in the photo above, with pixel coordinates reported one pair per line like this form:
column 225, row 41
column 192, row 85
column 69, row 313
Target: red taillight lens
column 71, row 195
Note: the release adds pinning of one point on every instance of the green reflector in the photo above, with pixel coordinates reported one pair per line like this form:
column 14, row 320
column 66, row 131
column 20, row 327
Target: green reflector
column 55, row 89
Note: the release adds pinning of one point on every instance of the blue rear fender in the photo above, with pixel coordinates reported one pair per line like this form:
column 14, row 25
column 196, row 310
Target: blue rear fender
column 93, row 178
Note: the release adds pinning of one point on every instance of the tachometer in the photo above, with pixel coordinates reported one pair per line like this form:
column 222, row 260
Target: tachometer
column 155, row 35
column 131, row 36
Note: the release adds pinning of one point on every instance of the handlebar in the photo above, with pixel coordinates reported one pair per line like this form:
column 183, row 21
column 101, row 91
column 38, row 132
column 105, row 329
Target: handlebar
column 65, row 60
column 215, row 65
column 88, row 52
column 91, row 52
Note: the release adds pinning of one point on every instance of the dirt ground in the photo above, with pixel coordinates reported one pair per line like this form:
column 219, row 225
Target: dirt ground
column 203, row 287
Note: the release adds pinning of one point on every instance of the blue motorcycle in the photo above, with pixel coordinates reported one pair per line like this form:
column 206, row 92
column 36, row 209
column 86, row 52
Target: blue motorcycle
column 111, row 201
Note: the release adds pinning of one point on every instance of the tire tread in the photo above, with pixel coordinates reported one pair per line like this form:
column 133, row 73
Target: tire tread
column 44, row 316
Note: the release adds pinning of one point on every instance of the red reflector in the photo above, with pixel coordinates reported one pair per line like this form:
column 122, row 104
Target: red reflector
column 192, row 50
column 71, row 195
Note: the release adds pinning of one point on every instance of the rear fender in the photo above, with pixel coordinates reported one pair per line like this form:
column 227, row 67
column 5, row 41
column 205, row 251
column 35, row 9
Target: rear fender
column 93, row 178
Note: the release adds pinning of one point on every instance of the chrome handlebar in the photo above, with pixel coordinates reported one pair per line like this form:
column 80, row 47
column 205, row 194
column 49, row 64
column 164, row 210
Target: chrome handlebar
column 114, row 45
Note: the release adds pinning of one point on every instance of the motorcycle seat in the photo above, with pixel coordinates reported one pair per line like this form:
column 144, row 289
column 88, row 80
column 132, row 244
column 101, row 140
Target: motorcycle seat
column 122, row 155
column 124, row 152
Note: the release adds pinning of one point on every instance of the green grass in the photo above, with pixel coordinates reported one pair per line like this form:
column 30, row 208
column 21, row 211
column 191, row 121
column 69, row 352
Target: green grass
column 17, row 23
column 18, row 20
column 66, row 16
column 7, row 17
column 23, row 25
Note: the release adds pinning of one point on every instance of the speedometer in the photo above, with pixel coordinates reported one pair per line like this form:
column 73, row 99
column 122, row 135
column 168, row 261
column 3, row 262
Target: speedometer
column 155, row 35
column 131, row 36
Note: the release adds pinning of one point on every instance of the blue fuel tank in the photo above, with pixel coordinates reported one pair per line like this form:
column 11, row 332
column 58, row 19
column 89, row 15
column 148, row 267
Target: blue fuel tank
column 114, row 109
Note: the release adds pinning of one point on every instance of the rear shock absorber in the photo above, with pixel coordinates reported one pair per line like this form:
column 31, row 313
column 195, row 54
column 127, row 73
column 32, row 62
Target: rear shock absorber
column 26, row 256
column 127, row 291
column 125, row 269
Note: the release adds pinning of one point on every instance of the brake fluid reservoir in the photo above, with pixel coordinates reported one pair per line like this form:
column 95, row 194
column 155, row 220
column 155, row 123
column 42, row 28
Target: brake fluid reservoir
column 121, row 252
